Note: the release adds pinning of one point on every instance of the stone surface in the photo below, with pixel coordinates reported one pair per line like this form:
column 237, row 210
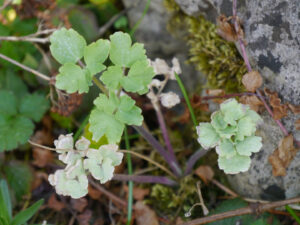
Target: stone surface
column 272, row 31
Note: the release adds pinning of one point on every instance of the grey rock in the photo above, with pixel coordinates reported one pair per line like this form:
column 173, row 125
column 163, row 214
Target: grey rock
column 272, row 31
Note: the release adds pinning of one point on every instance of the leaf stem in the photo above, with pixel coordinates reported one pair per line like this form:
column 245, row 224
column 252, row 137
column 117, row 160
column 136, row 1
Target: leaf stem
column 187, row 100
column 35, row 72
column 130, row 183
column 193, row 159
column 160, row 149
column 145, row 179
column 100, row 85
column 81, row 127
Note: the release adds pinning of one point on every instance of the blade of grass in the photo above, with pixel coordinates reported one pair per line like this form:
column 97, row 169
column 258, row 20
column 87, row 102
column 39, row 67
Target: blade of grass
column 130, row 183
column 81, row 127
column 293, row 214
column 186, row 98
column 138, row 23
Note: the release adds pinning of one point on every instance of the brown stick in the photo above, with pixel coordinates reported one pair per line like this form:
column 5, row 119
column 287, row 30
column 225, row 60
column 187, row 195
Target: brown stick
column 253, row 208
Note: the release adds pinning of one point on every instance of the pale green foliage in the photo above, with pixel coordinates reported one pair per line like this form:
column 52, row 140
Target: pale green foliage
column 72, row 180
column 231, row 131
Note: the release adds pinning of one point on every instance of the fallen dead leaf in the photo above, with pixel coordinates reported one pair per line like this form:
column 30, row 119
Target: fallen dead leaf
column 94, row 193
column 252, row 80
column 85, row 217
column 225, row 29
column 297, row 124
column 42, row 157
column 145, row 215
column 294, row 108
column 216, row 92
column 205, row 173
column 138, row 193
column 54, row 204
column 279, row 110
column 79, row 204
column 283, row 155
column 252, row 101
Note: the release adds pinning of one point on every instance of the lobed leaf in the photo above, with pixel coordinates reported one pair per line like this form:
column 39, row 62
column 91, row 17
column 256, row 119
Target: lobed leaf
column 67, row 46
column 234, row 164
column 232, row 111
column 226, row 149
column 208, row 137
column 249, row 145
column 112, row 77
column 8, row 103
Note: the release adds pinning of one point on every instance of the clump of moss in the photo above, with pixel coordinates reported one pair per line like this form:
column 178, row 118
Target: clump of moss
column 215, row 57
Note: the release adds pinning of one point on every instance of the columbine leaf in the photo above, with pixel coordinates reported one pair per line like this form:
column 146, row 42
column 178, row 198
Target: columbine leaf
column 121, row 51
column 208, row 137
column 34, row 106
column 226, row 149
column 8, row 103
column 249, row 145
column 13, row 131
column 9, row 80
column 128, row 112
column 139, row 76
column 102, row 123
column 72, row 78
column 232, row 111
column 235, row 164
column 95, row 54
column 112, row 77
column 108, row 105
column 245, row 127
column 67, row 46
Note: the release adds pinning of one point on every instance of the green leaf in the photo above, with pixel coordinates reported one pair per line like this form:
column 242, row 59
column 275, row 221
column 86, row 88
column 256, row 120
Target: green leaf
column 217, row 120
column 72, row 78
column 128, row 112
column 14, row 131
column 102, row 123
column 253, row 115
column 139, row 76
column 67, row 46
column 5, row 202
column 121, row 51
column 8, row 103
column 34, row 106
column 208, row 137
column 249, row 145
column 12, row 82
column 95, row 54
column 112, row 77
column 226, row 149
column 234, row 164
column 245, row 127
column 19, row 177
column 108, row 105
column 232, row 111
column 23, row 216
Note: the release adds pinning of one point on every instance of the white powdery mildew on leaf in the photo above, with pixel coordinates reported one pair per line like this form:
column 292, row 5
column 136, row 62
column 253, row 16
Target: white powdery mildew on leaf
column 232, row 132
column 72, row 181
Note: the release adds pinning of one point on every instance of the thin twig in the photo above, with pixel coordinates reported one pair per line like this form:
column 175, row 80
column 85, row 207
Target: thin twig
column 150, row 161
column 257, row 208
column 145, row 179
column 35, row 72
column 25, row 38
column 193, row 159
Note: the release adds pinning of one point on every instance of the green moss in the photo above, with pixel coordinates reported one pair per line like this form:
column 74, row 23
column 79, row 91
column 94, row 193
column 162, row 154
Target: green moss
column 218, row 59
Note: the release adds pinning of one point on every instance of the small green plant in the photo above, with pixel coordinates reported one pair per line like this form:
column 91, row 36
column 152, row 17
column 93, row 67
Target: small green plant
column 231, row 131
column 6, row 217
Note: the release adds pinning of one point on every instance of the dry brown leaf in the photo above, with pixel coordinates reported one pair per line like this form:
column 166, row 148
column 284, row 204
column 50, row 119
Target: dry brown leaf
column 225, row 29
column 42, row 157
column 252, row 80
column 54, row 204
column 279, row 110
column 79, row 204
column 94, row 193
column 145, row 215
column 138, row 193
column 283, row 155
column 252, row 101
column 205, row 173
column 216, row 92
column 294, row 108
column 85, row 217
column 297, row 124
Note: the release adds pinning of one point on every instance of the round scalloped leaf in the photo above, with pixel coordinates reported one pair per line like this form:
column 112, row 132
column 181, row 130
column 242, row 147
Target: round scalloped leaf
column 34, row 106
column 121, row 51
column 232, row 111
column 207, row 135
column 235, row 164
column 14, row 131
column 108, row 105
column 217, row 121
column 249, row 145
column 245, row 127
column 67, row 46
column 228, row 132
column 95, row 54
column 8, row 103
column 72, row 78
column 253, row 115
column 112, row 77
column 226, row 149
column 102, row 123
